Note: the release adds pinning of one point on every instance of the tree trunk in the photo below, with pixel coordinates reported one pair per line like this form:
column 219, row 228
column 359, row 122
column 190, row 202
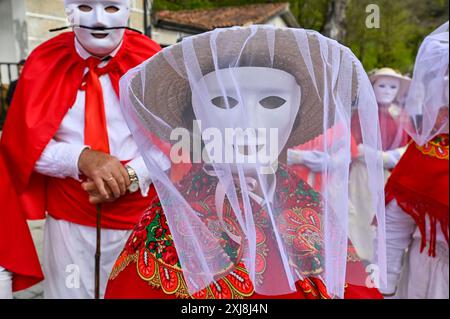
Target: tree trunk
column 335, row 26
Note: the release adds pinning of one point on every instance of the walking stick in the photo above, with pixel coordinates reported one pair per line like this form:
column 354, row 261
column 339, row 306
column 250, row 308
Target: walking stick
column 98, row 252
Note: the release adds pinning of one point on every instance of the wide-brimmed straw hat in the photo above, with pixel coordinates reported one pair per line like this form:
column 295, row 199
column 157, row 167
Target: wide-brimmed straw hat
column 405, row 81
column 168, row 91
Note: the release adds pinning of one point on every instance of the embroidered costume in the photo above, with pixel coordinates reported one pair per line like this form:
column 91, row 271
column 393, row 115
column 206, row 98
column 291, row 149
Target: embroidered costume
column 232, row 218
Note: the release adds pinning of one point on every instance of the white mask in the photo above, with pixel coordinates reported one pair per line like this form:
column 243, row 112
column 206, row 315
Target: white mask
column 98, row 13
column 258, row 98
column 386, row 89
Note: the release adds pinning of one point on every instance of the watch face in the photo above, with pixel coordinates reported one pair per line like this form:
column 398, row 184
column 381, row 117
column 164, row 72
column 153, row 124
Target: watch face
column 134, row 187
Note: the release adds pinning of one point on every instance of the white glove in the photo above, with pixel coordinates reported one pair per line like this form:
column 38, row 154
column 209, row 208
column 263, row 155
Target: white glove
column 390, row 158
column 5, row 284
column 363, row 150
column 316, row 161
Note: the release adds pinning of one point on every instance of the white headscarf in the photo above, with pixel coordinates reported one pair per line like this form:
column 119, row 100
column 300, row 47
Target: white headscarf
column 427, row 102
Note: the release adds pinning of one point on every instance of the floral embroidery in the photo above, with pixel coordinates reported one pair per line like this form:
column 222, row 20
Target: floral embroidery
column 152, row 249
column 438, row 147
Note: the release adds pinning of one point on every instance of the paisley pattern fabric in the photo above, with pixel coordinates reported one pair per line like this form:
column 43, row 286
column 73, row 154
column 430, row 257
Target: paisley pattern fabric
column 151, row 249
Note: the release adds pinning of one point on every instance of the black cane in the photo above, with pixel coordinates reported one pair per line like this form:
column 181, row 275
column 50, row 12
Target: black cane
column 98, row 252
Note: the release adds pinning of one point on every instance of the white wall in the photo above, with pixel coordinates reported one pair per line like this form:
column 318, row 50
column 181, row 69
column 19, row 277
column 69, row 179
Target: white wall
column 167, row 37
column 13, row 35
column 13, row 30
column 277, row 22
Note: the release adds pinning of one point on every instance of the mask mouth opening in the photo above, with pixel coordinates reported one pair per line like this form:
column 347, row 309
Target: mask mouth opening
column 248, row 149
column 99, row 35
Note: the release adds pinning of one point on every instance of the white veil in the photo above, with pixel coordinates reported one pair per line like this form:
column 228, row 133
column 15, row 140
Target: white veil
column 226, row 204
column 427, row 102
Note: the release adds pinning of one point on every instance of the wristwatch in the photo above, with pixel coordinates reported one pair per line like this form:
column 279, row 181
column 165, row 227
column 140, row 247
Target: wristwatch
column 134, row 186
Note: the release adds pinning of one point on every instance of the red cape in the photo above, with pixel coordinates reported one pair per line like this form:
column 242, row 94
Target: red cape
column 47, row 89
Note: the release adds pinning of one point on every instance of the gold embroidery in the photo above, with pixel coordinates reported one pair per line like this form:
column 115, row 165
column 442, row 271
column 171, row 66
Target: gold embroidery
column 122, row 262
column 437, row 148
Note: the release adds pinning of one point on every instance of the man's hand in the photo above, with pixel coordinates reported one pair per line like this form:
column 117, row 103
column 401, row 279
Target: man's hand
column 94, row 195
column 107, row 174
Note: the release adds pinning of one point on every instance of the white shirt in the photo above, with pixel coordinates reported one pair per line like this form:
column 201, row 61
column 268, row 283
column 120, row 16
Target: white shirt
column 60, row 157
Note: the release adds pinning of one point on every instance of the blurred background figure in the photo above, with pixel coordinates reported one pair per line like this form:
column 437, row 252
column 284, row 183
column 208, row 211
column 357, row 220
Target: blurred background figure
column 12, row 86
column 390, row 89
column 9, row 95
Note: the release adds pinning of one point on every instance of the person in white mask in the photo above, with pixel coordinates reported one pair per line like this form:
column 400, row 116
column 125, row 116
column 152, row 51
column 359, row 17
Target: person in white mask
column 390, row 88
column 78, row 157
column 98, row 25
column 237, row 222
column 417, row 211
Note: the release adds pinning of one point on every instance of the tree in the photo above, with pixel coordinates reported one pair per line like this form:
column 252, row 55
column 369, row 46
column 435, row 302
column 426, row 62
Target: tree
column 403, row 26
column 335, row 26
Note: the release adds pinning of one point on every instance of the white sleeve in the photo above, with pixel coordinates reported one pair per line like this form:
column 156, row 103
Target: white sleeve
column 399, row 231
column 60, row 160
column 142, row 172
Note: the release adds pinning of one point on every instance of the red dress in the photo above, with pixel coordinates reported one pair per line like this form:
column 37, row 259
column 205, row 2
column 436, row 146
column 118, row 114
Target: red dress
column 392, row 130
column 149, row 267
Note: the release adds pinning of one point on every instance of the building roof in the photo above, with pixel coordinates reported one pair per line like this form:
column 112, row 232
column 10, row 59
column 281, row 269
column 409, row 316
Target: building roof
column 201, row 20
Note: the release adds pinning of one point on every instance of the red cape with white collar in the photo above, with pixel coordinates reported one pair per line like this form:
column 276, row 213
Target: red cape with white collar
column 47, row 89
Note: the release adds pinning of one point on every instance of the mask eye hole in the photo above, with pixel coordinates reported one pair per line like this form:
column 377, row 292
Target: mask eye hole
column 223, row 103
column 85, row 8
column 272, row 102
column 112, row 9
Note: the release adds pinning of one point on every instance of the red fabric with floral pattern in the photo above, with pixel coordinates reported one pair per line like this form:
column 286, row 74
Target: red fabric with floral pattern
column 149, row 266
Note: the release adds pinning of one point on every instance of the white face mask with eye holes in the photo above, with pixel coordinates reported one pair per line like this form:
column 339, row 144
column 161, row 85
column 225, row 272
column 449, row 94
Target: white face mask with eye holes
column 264, row 101
column 98, row 14
column 386, row 89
